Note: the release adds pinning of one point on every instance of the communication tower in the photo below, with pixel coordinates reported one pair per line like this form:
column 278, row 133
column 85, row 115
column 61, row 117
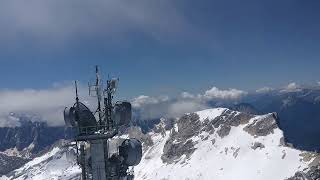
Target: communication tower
column 100, row 154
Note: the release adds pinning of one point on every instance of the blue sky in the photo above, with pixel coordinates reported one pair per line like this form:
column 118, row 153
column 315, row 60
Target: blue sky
column 160, row 47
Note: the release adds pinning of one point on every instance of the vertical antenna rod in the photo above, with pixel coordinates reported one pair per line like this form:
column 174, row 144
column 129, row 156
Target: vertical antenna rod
column 76, row 86
column 98, row 91
column 77, row 106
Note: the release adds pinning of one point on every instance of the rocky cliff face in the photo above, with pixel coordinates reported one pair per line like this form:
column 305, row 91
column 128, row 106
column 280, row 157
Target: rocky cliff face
column 19, row 145
column 34, row 136
column 10, row 163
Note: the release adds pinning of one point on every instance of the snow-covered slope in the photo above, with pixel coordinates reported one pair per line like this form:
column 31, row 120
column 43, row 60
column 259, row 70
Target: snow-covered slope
column 58, row 163
column 215, row 144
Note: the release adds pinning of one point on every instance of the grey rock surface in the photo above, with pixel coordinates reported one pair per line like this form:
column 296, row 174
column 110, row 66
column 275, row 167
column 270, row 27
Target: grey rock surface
column 262, row 127
column 179, row 143
column 312, row 174
column 10, row 163
column 257, row 145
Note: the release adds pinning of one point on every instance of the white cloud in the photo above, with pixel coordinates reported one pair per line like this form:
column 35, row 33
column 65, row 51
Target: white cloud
column 46, row 104
column 181, row 107
column 230, row 94
column 156, row 107
column 147, row 100
column 187, row 95
column 264, row 90
column 291, row 87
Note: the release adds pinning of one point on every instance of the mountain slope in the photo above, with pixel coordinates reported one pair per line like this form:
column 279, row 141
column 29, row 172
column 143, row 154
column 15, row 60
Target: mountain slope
column 59, row 162
column 218, row 144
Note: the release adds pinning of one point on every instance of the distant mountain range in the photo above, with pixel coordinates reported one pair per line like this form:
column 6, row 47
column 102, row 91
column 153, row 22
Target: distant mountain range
column 34, row 136
column 298, row 112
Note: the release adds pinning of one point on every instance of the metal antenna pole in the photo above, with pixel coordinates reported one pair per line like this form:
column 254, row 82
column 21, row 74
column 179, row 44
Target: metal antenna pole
column 98, row 91
column 77, row 101
column 76, row 86
column 108, row 106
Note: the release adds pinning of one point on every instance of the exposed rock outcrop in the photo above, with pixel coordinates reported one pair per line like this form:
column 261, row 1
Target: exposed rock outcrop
column 179, row 143
column 36, row 133
column 263, row 126
column 9, row 163
column 257, row 145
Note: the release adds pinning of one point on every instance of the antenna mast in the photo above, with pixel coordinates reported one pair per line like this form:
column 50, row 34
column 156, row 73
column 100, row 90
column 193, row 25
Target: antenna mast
column 98, row 92
column 76, row 86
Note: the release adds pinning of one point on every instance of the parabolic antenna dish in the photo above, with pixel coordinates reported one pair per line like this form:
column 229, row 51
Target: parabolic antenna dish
column 85, row 116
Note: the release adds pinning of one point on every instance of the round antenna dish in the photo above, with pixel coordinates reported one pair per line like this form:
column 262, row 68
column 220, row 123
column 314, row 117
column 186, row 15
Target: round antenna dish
column 131, row 151
column 86, row 118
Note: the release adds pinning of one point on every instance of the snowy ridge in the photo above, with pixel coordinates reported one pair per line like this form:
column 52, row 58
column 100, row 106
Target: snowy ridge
column 231, row 157
column 210, row 113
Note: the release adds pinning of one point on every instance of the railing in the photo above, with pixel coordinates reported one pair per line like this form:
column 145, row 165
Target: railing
column 92, row 129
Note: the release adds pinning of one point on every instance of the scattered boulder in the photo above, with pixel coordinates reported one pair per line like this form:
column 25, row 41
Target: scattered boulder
column 257, row 145
column 224, row 130
column 236, row 152
column 213, row 141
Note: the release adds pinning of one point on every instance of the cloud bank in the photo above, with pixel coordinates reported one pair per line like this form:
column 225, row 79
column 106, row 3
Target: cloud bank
column 155, row 107
column 39, row 105
column 48, row 104
column 54, row 21
column 230, row 94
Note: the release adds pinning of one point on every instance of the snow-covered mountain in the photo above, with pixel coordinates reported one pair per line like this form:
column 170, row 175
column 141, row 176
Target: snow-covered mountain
column 223, row 144
column 58, row 163
column 218, row 144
